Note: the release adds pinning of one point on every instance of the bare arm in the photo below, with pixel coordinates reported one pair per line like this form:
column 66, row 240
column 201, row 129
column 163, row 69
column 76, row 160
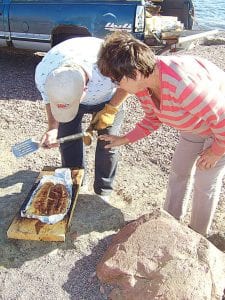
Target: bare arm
column 52, row 123
column 119, row 97
column 105, row 117
column 114, row 140
column 49, row 138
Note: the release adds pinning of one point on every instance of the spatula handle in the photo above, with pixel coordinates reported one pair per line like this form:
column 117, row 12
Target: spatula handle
column 71, row 137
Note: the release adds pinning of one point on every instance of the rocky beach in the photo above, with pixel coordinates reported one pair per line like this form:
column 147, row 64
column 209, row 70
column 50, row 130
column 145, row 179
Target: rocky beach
column 51, row 270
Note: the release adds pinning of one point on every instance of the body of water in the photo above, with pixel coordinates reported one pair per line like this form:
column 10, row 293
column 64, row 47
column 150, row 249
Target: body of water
column 209, row 14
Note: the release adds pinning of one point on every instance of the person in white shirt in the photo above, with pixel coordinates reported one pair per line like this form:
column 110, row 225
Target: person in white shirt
column 71, row 85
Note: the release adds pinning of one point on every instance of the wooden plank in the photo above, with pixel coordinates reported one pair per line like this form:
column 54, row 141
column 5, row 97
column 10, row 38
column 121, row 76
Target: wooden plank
column 33, row 229
column 185, row 41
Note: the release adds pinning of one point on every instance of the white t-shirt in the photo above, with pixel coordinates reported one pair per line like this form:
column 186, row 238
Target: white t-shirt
column 82, row 51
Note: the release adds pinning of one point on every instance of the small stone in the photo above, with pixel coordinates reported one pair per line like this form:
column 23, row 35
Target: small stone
column 102, row 291
column 74, row 235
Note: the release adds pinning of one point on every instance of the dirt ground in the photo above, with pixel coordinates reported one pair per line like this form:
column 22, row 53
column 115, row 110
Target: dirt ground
column 50, row 270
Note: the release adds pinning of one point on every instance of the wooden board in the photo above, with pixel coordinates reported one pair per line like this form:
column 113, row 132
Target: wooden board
column 33, row 229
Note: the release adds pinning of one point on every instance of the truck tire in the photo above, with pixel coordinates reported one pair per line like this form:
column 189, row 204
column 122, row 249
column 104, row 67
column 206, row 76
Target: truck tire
column 65, row 32
column 183, row 9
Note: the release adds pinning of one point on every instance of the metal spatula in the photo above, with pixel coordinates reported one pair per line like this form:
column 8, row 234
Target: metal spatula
column 30, row 145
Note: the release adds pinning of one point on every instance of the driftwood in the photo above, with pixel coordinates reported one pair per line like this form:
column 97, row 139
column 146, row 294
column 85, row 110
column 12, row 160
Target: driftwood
column 208, row 41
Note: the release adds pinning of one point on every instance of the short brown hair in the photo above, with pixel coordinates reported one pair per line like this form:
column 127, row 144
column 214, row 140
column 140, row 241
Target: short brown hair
column 121, row 55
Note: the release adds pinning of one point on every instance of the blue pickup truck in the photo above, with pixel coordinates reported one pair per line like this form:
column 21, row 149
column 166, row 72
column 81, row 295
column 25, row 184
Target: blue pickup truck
column 40, row 24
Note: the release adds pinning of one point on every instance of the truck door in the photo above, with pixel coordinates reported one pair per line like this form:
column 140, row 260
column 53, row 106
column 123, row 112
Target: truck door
column 30, row 25
column 3, row 25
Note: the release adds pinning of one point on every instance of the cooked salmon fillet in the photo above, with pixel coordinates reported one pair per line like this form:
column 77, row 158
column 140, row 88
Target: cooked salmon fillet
column 49, row 200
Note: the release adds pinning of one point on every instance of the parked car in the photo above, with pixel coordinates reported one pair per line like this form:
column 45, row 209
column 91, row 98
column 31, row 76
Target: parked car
column 40, row 24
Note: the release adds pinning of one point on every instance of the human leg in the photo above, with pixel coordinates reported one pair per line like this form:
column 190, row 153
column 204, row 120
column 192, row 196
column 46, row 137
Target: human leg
column 207, row 187
column 179, row 184
column 72, row 152
column 106, row 160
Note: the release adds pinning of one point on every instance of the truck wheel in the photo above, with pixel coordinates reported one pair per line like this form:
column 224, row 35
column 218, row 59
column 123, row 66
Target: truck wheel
column 190, row 18
column 66, row 32
column 58, row 38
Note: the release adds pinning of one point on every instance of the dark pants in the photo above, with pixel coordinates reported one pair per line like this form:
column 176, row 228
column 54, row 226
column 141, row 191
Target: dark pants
column 73, row 153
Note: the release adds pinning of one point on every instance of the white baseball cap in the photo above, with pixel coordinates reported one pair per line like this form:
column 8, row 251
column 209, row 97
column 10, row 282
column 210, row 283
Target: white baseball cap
column 64, row 87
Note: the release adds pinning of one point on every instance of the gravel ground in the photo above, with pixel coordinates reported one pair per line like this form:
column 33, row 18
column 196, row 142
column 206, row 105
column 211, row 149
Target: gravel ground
column 45, row 270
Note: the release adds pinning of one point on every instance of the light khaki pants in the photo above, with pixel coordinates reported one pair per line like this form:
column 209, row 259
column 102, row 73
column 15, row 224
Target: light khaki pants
column 206, row 184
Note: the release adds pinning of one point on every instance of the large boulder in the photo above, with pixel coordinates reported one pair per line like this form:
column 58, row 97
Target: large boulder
column 156, row 257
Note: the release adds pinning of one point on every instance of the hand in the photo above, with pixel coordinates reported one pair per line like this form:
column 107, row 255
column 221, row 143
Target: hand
column 207, row 159
column 104, row 118
column 49, row 139
column 114, row 141
column 87, row 139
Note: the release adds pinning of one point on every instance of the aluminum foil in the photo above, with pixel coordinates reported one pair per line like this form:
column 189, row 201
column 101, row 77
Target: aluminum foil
column 62, row 176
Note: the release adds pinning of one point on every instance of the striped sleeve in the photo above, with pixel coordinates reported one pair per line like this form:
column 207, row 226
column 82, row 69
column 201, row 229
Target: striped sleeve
column 206, row 104
column 148, row 124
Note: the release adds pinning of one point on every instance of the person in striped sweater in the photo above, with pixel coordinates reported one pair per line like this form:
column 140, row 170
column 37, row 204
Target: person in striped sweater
column 186, row 93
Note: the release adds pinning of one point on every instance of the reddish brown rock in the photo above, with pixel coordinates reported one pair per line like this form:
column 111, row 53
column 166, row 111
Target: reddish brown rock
column 156, row 257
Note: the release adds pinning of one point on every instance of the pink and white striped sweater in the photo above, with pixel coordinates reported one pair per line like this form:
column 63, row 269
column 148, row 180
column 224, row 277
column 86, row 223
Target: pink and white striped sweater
column 192, row 100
